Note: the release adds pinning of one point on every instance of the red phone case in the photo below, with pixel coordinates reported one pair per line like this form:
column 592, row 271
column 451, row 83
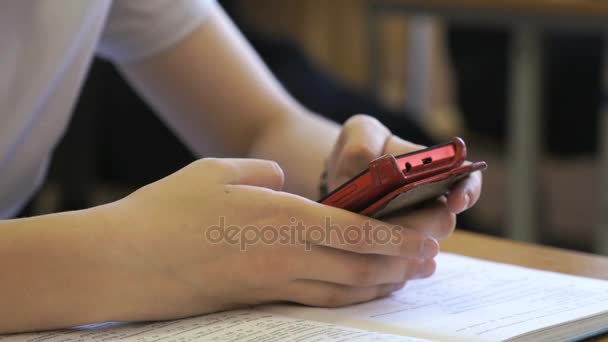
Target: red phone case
column 420, row 191
column 392, row 183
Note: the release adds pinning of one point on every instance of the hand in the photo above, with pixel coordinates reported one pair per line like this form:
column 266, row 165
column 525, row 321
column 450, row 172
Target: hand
column 170, row 256
column 363, row 139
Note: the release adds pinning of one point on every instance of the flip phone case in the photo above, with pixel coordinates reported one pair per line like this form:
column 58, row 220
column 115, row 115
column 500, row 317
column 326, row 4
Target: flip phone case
column 394, row 183
column 419, row 191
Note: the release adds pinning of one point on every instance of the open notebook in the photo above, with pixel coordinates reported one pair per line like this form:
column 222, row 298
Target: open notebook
column 466, row 300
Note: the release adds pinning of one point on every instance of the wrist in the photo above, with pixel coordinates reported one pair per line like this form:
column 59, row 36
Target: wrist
column 55, row 272
column 121, row 275
column 140, row 278
column 97, row 255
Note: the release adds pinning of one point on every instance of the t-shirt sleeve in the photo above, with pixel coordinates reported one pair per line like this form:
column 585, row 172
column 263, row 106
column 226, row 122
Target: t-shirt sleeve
column 137, row 29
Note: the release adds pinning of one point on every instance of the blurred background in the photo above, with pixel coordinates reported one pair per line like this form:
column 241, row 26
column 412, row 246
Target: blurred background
column 427, row 78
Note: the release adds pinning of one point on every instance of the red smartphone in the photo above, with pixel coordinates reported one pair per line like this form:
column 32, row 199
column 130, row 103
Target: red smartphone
column 391, row 184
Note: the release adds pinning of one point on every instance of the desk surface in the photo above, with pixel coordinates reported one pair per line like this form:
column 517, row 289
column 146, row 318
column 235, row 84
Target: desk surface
column 527, row 255
column 522, row 254
column 593, row 8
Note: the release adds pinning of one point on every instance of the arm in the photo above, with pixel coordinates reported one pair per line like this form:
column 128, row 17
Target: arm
column 218, row 95
column 148, row 257
column 159, row 254
column 47, row 263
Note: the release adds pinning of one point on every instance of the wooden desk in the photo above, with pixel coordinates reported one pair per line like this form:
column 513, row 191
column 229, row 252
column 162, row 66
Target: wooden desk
column 528, row 255
column 528, row 19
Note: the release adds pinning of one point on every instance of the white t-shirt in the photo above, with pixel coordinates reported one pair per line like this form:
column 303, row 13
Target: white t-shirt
column 46, row 47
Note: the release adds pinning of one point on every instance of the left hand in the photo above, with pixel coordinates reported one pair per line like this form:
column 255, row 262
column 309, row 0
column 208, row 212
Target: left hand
column 363, row 139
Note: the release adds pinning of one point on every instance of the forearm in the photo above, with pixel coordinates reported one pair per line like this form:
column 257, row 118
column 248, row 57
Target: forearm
column 301, row 143
column 55, row 271
column 213, row 89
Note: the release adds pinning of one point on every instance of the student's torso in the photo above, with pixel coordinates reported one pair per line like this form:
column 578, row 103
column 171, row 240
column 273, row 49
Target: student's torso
column 46, row 47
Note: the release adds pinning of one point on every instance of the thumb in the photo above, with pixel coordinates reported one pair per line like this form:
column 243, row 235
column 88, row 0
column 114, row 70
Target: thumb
column 253, row 172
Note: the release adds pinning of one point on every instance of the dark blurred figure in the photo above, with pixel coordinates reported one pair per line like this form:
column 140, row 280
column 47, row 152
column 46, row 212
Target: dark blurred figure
column 571, row 83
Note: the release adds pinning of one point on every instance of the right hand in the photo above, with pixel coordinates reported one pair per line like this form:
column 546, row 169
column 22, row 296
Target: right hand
column 167, row 263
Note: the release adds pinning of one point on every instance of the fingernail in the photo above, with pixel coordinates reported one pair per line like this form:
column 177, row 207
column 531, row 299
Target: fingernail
column 397, row 287
column 425, row 270
column 467, row 200
column 416, row 268
column 430, row 248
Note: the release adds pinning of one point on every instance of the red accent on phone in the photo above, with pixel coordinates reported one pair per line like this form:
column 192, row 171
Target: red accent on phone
column 389, row 178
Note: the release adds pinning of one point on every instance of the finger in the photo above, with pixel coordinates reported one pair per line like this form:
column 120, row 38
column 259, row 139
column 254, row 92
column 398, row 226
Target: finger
column 341, row 229
column 364, row 139
column 398, row 146
column 322, row 294
column 435, row 220
column 313, row 223
column 465, row 194
column 253, row 172
column 361, row 270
